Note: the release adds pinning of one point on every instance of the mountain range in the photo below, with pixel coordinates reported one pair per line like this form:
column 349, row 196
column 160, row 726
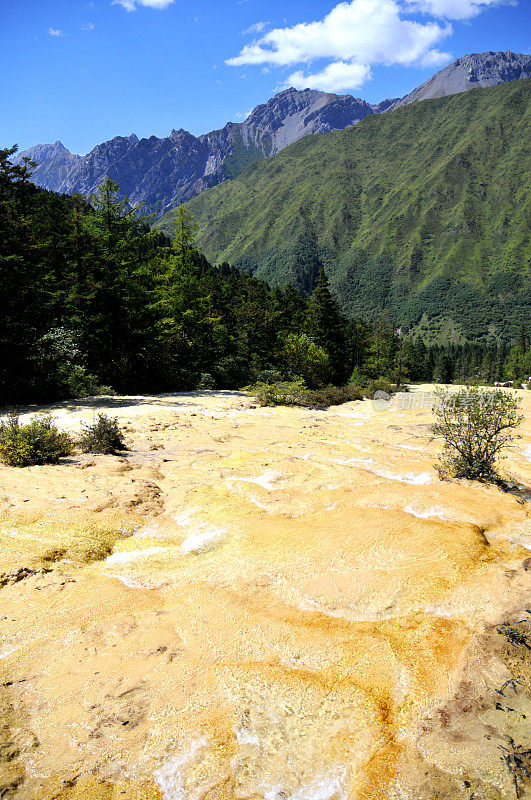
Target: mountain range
column 423, row 212
column 161, row 173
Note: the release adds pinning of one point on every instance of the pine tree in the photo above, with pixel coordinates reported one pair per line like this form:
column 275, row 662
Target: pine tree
column 383, row 349
column 326, row 326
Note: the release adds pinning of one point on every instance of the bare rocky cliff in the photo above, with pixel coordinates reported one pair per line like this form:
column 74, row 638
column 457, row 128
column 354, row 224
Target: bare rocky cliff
column 161, row 173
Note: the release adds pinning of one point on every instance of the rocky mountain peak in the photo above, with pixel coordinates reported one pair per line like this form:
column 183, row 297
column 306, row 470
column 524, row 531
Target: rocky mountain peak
column 294, row 113
column 472, row 71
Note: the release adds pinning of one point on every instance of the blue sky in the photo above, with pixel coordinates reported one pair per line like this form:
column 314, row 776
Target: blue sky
column 85, row 71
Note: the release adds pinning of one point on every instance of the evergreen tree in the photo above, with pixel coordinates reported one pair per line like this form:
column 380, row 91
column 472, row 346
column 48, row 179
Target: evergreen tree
column 89, row 295
column 306, row 262
column 383, row 348
column 326, row 326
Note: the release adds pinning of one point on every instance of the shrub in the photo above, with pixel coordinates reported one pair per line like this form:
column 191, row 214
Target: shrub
column 476, row 425
column 380, row 385
column 39, row 442
column 295, row 393
column 104, row 391
column 206, row 381
column 103, row 436
column 284, row 393
column 334, row 396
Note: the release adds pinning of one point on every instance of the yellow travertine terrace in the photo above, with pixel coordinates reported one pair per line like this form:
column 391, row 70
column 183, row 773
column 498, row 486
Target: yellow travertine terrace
column 261, row 604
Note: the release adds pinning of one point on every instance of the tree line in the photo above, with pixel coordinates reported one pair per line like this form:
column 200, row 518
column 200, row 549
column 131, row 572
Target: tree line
column 91, row 299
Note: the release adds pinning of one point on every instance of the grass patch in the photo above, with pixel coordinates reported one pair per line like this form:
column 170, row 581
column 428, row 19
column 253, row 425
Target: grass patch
column 36, row 543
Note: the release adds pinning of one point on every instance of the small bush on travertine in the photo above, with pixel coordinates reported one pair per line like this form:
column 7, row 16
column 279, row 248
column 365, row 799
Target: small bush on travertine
column 334, row 396
column 287, row 393
column 295, row 393
column 476, row 426
column 103, row 436
column 380, row 385
column 38, row 442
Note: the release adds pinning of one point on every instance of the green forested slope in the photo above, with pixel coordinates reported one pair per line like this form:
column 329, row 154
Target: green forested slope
column 424, row 211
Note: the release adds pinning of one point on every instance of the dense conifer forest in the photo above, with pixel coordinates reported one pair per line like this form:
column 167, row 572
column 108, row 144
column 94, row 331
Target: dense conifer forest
column 92, row 299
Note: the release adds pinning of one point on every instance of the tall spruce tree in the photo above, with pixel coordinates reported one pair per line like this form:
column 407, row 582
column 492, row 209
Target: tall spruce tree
column 326, row 326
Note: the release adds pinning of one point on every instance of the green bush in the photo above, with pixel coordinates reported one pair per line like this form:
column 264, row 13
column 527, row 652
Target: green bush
column 476, row 425
column 103, row 436
column 283, row 393
column 334, row 396
column 206, row 382
column 269, row 376
column 380, row 385
column 38, row 442
column 295, row 393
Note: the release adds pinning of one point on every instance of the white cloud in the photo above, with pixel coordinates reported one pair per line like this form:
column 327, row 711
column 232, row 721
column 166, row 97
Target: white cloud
column 131, row 5
column 455, row 9
column 339, row 76
column 258, row 27
column 360, row 30
column 353, row 36
column 88, row 27
column 242, row 115
column 55, row 32
column 435, row 59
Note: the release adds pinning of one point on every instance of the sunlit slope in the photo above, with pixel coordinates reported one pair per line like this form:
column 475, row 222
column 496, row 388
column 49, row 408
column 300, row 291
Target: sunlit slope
column 424, row 210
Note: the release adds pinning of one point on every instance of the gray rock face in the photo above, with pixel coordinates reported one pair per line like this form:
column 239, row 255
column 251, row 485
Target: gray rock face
column 471, row 72
column 161, row 173
column 55, row 163
column 292, row 114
